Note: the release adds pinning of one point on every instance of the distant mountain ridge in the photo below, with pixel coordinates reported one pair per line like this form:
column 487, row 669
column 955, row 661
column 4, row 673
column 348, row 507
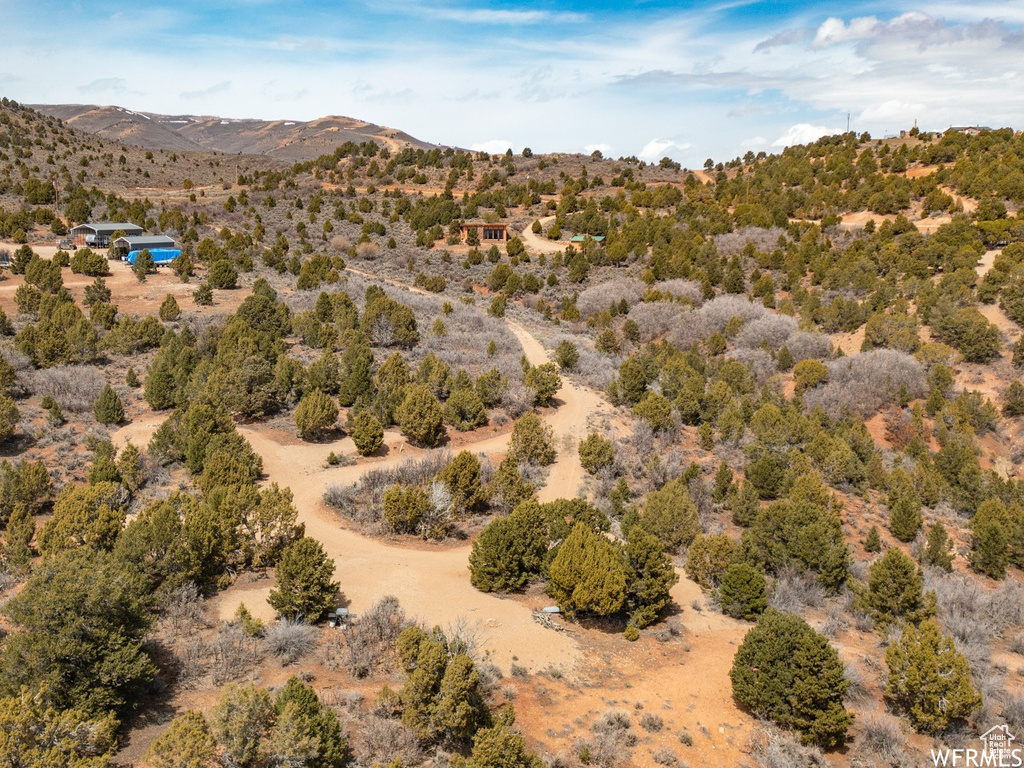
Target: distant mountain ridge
column 287, row 140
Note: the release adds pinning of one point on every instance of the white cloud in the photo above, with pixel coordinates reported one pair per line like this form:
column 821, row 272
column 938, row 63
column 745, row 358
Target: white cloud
column 1009, row 12
column 493, row 16
column 604, row 149
column 891, row 111
column 803, row 133
column 105, row 85
column 655, row 149
column 221, row 87
column 834, row 30
column 754, row 143
column 492, row 147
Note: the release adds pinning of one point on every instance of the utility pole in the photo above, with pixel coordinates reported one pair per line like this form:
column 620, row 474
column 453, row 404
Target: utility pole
column 847, row 122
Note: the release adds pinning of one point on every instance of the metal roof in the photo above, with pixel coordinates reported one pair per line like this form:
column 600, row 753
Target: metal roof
column 145, row 241
column 107, row 228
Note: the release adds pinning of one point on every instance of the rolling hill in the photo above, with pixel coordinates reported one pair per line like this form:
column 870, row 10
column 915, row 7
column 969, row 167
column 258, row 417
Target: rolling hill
column 287, row 140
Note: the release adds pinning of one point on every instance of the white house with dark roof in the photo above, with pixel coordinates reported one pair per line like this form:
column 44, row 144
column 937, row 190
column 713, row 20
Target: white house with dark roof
column 97, row 234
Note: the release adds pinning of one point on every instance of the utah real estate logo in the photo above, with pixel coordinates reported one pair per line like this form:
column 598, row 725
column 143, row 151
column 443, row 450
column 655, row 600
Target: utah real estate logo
column 998, row 751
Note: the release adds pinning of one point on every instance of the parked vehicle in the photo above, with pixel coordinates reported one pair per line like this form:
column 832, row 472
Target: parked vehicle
column 65, row 245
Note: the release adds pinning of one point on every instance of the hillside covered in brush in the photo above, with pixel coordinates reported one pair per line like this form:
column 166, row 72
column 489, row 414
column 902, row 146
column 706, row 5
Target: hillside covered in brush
column 762, row 415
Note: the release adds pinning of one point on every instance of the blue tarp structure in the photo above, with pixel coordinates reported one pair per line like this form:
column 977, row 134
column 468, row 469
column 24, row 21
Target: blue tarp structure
column 160, row 255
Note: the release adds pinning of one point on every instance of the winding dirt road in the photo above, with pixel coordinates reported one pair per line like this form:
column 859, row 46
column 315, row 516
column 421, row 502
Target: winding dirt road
column 431, row 581
column 539, row 243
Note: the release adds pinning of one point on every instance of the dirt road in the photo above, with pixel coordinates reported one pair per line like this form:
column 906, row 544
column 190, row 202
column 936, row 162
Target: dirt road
column 431, row 581
column 539, row 243
column 568, row 422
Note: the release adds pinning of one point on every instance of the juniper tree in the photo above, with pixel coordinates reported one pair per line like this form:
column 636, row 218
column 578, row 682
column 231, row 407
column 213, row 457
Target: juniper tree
column 787, row 672
column 420, row 416
column 441, row 698
column 21, row 527
column 81, row 620
column 238, row 723
column 873, row 541
column 742, row 593
column 500, row 747
column 203, row 295
column 938, row 550
column 304, row 586
column 188, row 743
column 567, row 355
column 596, row 453
column 461, row 476
column 89, row 517
column 649, row 578
column 108, row 408
column 991, row 538
column 315, row 414
column 745, row 503
column 670, row 514
column 508, row 488
column 708, row 558
column 532, row 441
column 723, row 483
column 510, row 551
column 405, row 507
column 169, row 309
column 9, row 416
column 904, row 506
column 355, row 373
column 367, row 433
column 588, row 574
column 37, row 734
column 306, row 732
column 464, row 410
column 896, row 591
column 222, row 275
column 929, row 679
column 144, row 265
column 544, row 381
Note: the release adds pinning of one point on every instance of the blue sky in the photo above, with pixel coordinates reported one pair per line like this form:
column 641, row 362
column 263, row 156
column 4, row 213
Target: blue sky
column 686, row 79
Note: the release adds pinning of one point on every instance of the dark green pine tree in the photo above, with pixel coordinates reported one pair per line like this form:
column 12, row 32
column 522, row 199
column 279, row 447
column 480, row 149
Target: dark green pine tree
column 108, row 408
column 743, row 594
column 896, row 591
column 873, row 541
column 904, row 506
column 304, row 586
column 938, row 550
column 787, row 672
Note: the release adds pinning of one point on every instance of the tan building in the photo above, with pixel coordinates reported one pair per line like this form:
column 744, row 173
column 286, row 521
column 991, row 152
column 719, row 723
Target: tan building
column 485, row 233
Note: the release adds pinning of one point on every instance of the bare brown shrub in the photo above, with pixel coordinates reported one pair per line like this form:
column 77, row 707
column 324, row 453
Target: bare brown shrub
column 696, row 326
column 233, row 653
column 794, row 591
column 368, row 251
column 682, row 289
column 655, row 318
column 771, row 330
column 731, row 243
column 371, row 641
column 381, row 741
column 600, row 297
column 862, row 384
column 772, row 748
column 291, row 640
column 74, row 387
